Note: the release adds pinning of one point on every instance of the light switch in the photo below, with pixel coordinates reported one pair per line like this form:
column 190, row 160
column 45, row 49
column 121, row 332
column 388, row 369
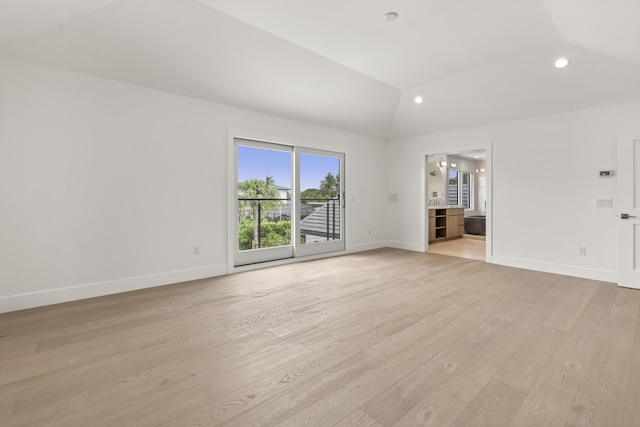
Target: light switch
column 604, row 203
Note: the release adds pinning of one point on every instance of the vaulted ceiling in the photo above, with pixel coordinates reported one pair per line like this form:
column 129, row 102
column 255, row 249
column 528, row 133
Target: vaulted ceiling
column 338, row 63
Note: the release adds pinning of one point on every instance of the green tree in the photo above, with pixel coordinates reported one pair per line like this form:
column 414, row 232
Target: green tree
column 245, row 233
column 258, row 189
column 330, row 186
column 275, row 233
column 309, row 195
column 271, row 233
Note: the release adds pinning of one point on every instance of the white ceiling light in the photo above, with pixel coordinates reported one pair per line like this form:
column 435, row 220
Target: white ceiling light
column 418, row 99
column 391, row 16
column 561, row 62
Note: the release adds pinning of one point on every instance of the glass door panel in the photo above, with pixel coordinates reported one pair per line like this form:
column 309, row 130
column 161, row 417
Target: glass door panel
column 264, row 207
column 319, row 223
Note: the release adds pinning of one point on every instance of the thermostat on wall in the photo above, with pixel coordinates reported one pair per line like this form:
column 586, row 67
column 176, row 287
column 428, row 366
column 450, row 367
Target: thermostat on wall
column 606, row 173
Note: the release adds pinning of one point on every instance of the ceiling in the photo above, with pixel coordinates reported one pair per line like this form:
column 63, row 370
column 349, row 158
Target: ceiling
column 339, row 63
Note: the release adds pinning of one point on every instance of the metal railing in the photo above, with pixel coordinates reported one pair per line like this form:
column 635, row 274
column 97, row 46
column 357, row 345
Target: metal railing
column 331, row 219
column 243, row 200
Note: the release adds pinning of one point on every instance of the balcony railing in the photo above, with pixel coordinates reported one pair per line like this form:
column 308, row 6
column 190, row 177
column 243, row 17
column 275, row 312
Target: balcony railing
column 320, row 217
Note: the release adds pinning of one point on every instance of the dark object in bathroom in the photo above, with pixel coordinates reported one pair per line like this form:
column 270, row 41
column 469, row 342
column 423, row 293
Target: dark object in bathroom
column 475, row 224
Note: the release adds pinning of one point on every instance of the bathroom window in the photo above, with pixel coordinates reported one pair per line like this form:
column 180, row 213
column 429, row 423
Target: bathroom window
column 460, row 188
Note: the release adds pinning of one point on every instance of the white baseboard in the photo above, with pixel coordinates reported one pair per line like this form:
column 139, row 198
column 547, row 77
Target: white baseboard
column 60, row 295
column 367, row 246
column 567, row 270
column 415, row 247
column 90, row 290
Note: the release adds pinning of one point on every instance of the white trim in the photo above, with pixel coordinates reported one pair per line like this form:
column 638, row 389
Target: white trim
column 370, row 246
column 627, row 180
column 269, row 253
column 232, row 194
column 414, row 247
column 304, row 250
column 566, row 270
column 358, row 248
column 275, row 263
column 98, row 289
column 55, row 296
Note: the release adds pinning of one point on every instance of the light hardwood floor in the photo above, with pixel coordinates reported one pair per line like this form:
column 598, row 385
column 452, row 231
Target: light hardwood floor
column 467, row 247
column 382, row 338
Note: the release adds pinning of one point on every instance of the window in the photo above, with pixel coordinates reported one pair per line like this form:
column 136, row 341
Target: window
column 460, row 191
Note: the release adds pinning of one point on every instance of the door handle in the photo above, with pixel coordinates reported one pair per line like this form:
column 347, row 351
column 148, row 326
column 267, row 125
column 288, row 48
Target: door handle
column 626, row 216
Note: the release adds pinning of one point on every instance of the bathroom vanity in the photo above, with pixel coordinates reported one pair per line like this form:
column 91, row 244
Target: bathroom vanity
column 445, row 223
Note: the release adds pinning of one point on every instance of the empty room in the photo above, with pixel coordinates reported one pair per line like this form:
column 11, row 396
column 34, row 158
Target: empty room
column 303, row 213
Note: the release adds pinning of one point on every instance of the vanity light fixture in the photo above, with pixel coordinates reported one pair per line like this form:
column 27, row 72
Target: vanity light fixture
column 418, row 99
column 391, row 16
column 443, row 163
column 481, row 170
column 561, row 62
column 453, row 165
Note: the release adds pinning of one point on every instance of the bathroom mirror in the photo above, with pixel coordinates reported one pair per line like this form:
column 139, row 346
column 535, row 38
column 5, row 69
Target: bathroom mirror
column 436, row 167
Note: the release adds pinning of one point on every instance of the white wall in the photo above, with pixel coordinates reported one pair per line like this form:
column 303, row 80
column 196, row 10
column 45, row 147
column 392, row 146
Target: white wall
column 106, row 187
column 545, row 185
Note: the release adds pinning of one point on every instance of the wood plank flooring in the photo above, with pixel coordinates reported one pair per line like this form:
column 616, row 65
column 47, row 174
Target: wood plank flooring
column 380, row 338
column 470, row 247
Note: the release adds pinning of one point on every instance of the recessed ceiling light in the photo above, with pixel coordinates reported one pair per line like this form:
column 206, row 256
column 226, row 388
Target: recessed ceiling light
column 418, row 99
column 561, row 62
column 391, row 16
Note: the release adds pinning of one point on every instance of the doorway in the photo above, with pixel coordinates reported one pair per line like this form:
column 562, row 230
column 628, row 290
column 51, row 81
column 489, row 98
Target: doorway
column 457, row 207
column 289, row 202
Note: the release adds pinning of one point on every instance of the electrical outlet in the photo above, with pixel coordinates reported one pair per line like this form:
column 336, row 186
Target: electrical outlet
column 582, row 250
column 196, row 250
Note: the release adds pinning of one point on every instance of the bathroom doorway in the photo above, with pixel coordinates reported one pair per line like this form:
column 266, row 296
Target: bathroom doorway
column 457, row 203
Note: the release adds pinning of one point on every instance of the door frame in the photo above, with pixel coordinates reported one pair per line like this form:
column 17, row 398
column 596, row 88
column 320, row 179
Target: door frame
column 626, row 205
column 302, row 250
column 424, row 200
column 259, row 255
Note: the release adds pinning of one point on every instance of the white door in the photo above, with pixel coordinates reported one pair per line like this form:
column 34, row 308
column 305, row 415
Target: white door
column 629, row 212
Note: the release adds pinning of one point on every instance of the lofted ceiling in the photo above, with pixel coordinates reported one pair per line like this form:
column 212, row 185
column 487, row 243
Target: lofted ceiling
column 340, row 64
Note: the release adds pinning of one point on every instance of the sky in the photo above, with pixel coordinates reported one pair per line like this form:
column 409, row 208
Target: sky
column 259, row 163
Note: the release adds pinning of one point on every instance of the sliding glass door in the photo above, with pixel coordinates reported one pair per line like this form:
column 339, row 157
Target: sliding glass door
column 319, row 224
column 264, row 209
column 290, row 202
